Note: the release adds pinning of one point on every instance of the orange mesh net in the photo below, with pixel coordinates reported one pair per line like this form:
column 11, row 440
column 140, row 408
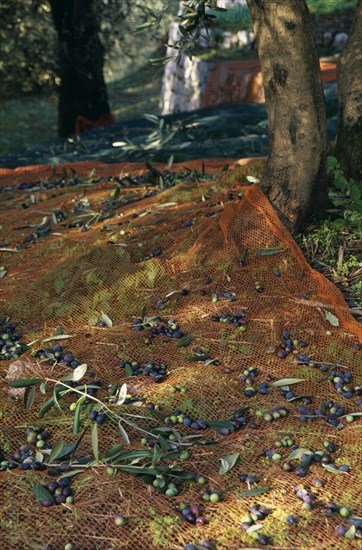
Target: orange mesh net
column 83, row 124
column 178, row 254
column 239, row 81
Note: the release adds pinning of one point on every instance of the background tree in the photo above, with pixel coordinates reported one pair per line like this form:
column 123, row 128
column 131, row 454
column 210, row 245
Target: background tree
column 81, row 63
column 348, row 148
column 33, row 59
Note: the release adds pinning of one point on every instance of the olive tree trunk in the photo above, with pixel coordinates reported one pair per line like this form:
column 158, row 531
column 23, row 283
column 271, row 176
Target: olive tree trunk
column 295, row 178
column 81, row 61
column 348, row 146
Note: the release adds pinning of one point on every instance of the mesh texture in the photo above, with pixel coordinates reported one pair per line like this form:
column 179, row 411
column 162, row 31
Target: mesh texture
column 70, row 277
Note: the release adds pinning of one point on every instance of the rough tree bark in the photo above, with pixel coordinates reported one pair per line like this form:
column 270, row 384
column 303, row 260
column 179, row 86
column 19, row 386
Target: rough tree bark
column 81, row 60
column 295, row 178
column 348, row 146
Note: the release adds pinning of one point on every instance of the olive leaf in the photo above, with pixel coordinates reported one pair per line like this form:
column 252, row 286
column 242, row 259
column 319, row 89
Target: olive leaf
column 106, row 320
column 228, row 462
column 112, row 452
column 128, row 370
column 287, row 382
column 121, row 395
column 25, row 382
column 350, row 533
column 29, row 396
column 332, row 319
column 56, row 450
column 39, row 457
column 56, row 403
column 184, row 341
column 71, row 474
column 77, row 417
column 298, row 453
column 217, row 424
column 332, row 470
column 67, row 450
column 94, row 441
column 48, row 405
column 164, row 444
column 270, row 251
column 253, row 492
column 76, row 374
column 138, row 470
column 58, row 337
column 169, row 163
column 42, row 493
column 123, row 433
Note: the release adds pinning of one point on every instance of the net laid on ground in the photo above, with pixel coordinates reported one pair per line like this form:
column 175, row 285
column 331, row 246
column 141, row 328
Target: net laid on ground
column 240, row 364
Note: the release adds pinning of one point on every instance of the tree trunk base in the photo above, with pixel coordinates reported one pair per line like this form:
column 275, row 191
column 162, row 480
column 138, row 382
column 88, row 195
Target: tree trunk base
column 348, row 150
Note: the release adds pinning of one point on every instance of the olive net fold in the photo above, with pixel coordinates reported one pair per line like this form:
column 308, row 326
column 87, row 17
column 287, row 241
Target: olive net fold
column 195, row 277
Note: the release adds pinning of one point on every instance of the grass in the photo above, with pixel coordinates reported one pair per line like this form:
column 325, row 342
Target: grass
column 336, row 252
column 27, row 121
column 32, row 120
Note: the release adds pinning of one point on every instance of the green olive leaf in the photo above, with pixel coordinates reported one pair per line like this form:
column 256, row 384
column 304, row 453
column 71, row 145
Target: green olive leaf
column 66, row 450
column 113, row 452
column 76, row 418
column 332, row 319
column 29, row 396
column 332, row 470
column 184, row 341
column 217, row 424
column 42, row 493
column 253, row 492
column 228, row 462
column 123, row 433
column 128, row 371
column 25, row 382
column 287, row 382
column 56, row 450
column 298, row 453
column 270, row 251
column 94, row 441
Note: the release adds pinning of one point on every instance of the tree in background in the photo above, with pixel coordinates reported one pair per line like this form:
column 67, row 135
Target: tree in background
column 83, row 89
column 53, row 45
column 348, row 146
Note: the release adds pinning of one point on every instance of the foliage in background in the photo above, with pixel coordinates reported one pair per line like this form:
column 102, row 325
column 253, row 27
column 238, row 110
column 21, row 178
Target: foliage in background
column 28, row 41
column 27, row 48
